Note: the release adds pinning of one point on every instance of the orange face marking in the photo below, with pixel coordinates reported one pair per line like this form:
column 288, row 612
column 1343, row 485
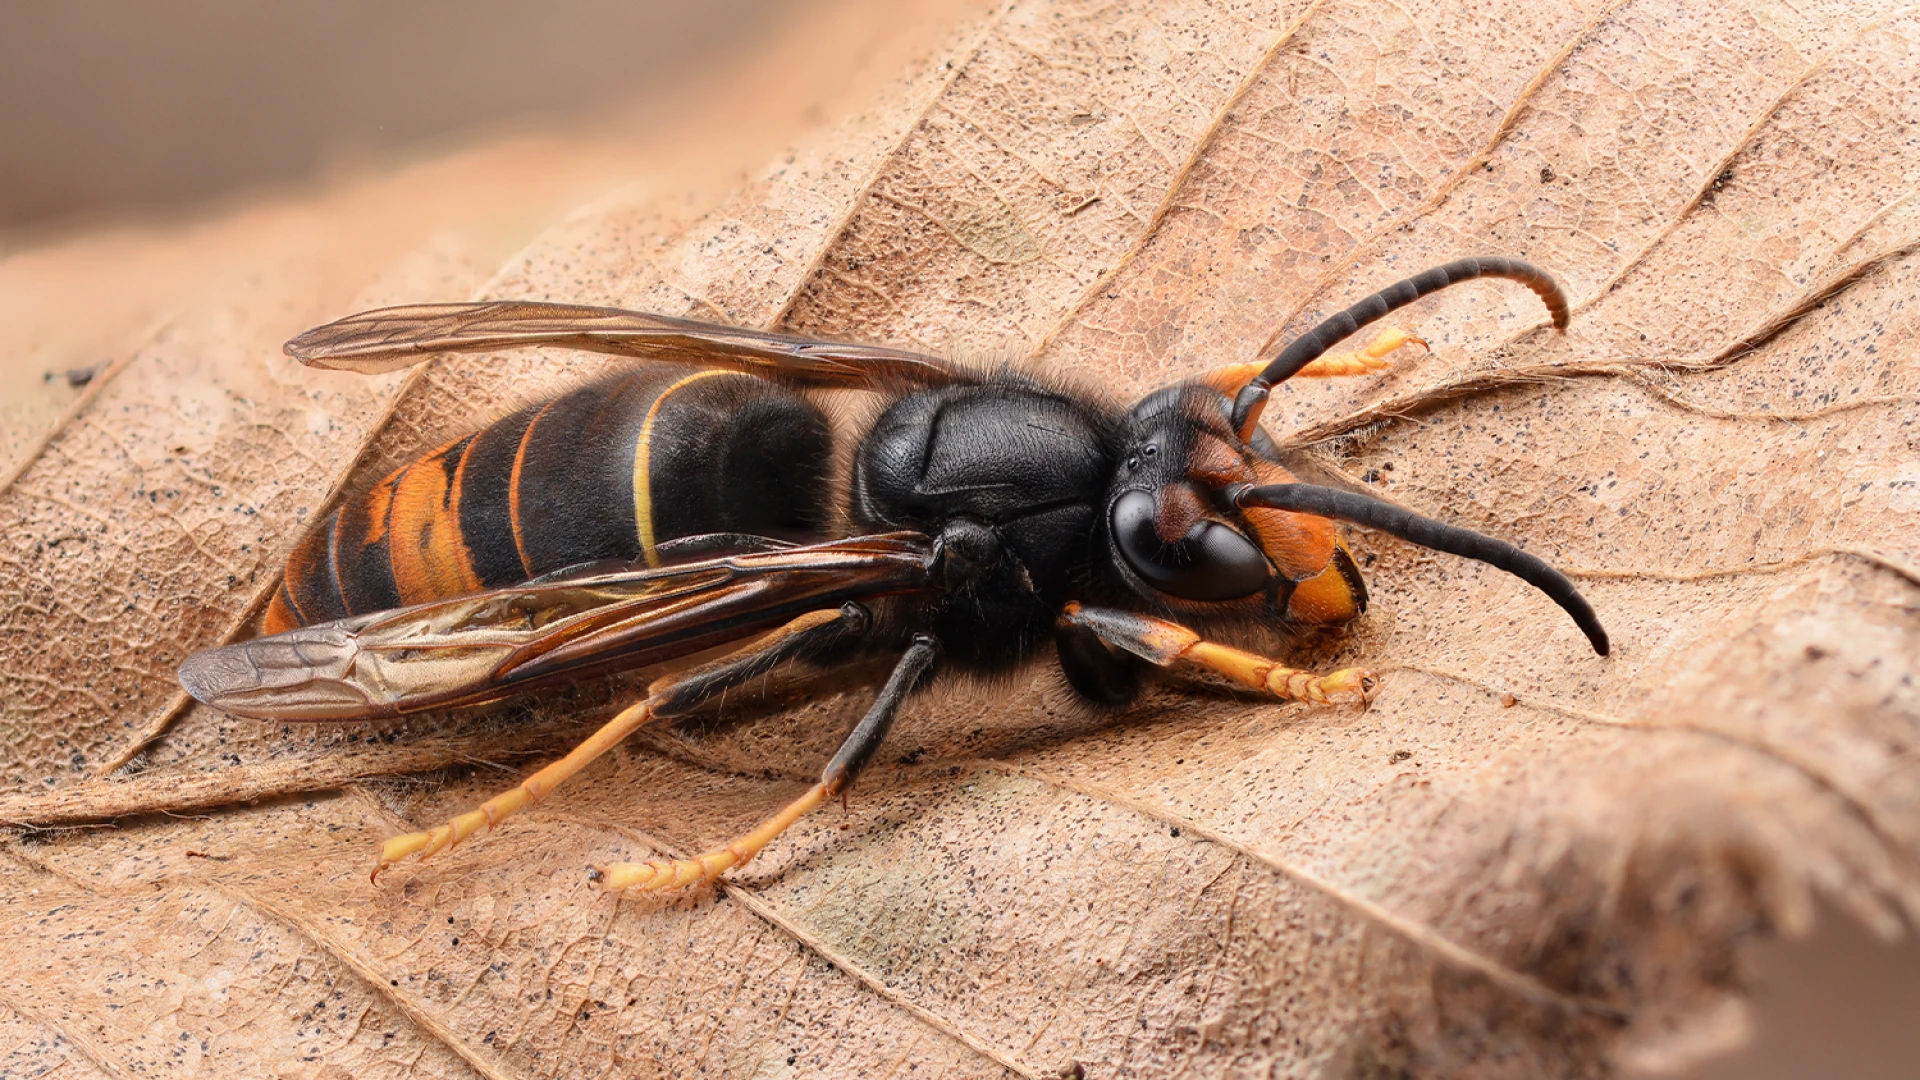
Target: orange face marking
column 428, row 552
column 1326, row 599
column 1300, row 545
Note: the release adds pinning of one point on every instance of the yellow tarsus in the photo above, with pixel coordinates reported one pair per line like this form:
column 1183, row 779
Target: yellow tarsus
column 1371, row 358
column 541, row 784
column 1260, row 673
column 661, row 875
column 508, row 803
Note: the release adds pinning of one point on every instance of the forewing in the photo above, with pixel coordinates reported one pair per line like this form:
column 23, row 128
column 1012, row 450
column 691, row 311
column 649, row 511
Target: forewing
column 395, row 337
column 489, row 645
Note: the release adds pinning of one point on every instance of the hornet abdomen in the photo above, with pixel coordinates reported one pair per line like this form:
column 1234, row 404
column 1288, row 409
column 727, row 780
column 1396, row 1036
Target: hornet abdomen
column 610, row 471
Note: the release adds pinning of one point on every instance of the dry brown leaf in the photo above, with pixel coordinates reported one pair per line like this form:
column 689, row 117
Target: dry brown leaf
column 1521, row 861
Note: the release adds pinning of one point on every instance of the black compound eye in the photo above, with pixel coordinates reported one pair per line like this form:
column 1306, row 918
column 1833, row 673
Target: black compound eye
column 1211, row 562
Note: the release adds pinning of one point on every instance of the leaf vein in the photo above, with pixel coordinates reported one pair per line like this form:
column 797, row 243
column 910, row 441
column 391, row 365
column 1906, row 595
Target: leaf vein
column 1711, row 176
column 1429, row 940
column 772, row 916
column 1857, row 805
column 1522, row 102
column 1487, row 381
column 429, row 1024
column 1171, row 199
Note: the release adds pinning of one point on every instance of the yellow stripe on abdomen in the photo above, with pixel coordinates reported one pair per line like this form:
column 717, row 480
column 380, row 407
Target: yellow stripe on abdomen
column 642, row 456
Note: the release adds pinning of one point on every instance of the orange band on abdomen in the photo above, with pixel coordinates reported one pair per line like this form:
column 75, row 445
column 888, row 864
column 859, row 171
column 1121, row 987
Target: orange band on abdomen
column 429, row 553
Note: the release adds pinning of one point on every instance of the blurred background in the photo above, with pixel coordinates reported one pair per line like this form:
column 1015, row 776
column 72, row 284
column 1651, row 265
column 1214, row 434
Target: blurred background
column 122, row 111
column 155, row 153
column 150, row 153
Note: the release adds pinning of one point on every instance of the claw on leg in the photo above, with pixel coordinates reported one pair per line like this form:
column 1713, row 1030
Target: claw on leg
column 659, row 875
column 1371, row 358
column 1260, row 673
column 507, row 803
column 1167, row 644
column 1231, row 378
column 662, row 875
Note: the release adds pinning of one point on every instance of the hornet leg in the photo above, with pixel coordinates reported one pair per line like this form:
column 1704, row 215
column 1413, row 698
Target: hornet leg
column 668, row 697
column 658, row 875
column 1167, row 644
column 1231, row 378
column 1371, row 358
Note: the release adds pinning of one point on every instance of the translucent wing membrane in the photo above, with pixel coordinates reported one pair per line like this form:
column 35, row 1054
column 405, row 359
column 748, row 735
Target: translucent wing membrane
column 396, row 337
column 483, row 647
